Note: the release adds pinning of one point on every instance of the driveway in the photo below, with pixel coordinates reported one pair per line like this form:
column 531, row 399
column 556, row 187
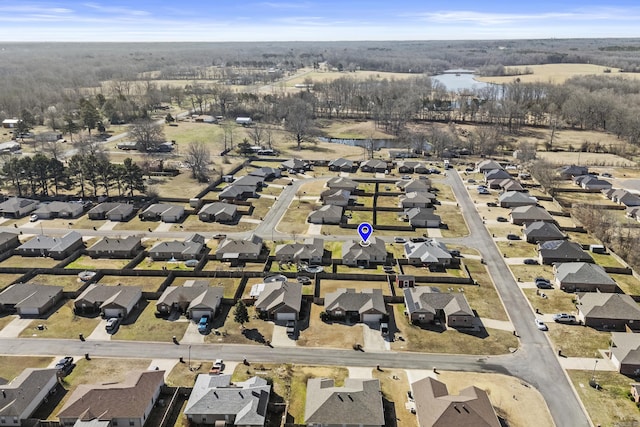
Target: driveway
column 15, row 327
column 100, row 332
column 359, row 372
column 191, row 335
column 280, row 337
column 373, row 339
column 165, row 365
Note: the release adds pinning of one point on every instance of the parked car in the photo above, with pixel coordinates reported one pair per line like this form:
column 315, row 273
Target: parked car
column 406, row 176
column 388, row 269
column 203, row 324
column 483, row 191
column 64, row 363
column 219, row 236
column 501, row 219
column 531, row 261
column 607, row 175
column 512, row 236
column 454, row 252
column 112, row 324
column 217, row 367
column 471, row 181
column 564, row 318
column 418, row 239
column 33, row 218
column 541, row 325
column 399, row 240
column 492, row 204
column 543, row 284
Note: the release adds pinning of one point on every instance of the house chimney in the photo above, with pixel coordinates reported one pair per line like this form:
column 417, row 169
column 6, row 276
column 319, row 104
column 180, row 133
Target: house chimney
column 350, row 398
column 4, row 394
column 340, row 397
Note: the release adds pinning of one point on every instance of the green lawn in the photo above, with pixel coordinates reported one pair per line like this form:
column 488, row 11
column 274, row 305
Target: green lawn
column 628, row 283
column 557, row 301
column 62, row 324
column 611, row 405
column 416, row 338
column 85, row 262
column 606, row 260
column 389, row 218
column 143, row 325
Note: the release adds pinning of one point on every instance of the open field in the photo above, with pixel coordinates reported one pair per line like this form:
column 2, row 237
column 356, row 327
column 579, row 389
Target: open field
column 577, row 340
column 295, row 218
column 349, row 129
column 517, row 249
column 484, row 298
column 143, row 325
column 426, row 339
column 12, row 366
column 61, row 324
column 28, row 262
column 517, row 402
column 331, row 334
column 595, row 159
column 556, row 301
column 527, row 273
column 85, row 262
column 555, row 73
column 147, row 283
column 609, row 406
column 70, row 283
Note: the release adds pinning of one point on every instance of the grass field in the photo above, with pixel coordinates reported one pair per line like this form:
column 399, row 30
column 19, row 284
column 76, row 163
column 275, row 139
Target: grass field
column 416, row 338
column 557, row 301
column 295, row 218
column 555, row 73
column 328, row 286
column 12, row 366
column 62, row 324
column 7, row 279
column 517, row 249
column 143, row 325
column 578, row 341
column 394, row 385
column 628, row 283
column 28, row 262
column 333, row 334
column 527, row 273
column 452, row 217
column 85, row 262
column 182, row 376
column 256, row 330
column 610, row 406
column 147, row 283
column 70, row 283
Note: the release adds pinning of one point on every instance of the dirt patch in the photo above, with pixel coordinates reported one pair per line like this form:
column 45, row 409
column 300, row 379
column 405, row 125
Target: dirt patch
column 332, row 334
column 518, row 402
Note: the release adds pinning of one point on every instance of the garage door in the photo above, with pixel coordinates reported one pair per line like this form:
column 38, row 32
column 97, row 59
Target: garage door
column 371, row 317
column 113, row 312
column 29, row 311
column 197, row 314
column 285, row 316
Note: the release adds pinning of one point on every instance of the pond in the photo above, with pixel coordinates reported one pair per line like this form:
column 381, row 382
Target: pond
column 457, row 82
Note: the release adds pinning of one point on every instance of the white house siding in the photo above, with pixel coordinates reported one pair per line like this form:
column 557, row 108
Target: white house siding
column 285, row 316
column 371, row 317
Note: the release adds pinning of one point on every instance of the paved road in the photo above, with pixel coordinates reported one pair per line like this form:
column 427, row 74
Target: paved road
column 539, row 364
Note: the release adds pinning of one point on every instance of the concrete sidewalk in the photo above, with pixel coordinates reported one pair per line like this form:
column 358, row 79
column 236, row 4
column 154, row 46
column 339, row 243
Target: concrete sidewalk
column 587, row 364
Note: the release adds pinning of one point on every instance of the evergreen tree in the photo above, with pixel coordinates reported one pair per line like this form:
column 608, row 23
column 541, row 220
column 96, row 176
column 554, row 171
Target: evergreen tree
column 240, row 314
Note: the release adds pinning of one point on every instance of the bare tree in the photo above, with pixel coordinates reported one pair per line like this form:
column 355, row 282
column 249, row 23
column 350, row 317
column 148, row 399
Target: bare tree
column 257, row 133
column 147, row 133
column 198, row 157
column 526, row 151
column 299, row 120
column 229, row 129
column 546, row 174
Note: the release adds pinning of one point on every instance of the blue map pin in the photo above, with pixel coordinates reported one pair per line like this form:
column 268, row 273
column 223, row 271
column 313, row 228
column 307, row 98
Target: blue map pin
column 364, row 230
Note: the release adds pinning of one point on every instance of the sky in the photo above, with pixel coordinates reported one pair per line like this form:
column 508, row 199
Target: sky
column 314, row 20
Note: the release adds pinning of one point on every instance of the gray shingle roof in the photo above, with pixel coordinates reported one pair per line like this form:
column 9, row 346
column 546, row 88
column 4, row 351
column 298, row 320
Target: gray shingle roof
column 311, row 248
column 608, row 306
column 29, row 295
column 530, row 213
column 516, row 197
column 12, row 204
column 358, row 402
column 107, row 244
column 563, row 249
column 277, row 295
column 431, row 251
column 582, row 273
column 189, row 247
column 246, row 401
column 544, row 230
column 251, row 245
column 104, row 294
column 22, row 391
column 52, row 244
column 330, row 213
column 352, row 250
column 218, row 208
column 626, row 347
column 421, row 299
column 193, row 295
column 350, row 300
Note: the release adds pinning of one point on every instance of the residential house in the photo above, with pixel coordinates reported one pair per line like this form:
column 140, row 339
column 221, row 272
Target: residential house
column 17, row 207
column 405, row 281
column 112, row 211
column 410, row 167
column 335, row 197
column 357, row 403
column 510, row 185
column 237, row 192
column 195, row 301
column 512, row 199
column 8, row 241
column 416, row 199
column 54, row 247
column 21, row 397
column 419, row 185
column 109, row 301
column 327, row 214
column 116, row 247
column 496, row 174
column 10, row 123
column 590, row 182
column 59, row 210
column 541, row 231
column 342, row 183
column 215, row 400
column 488, row 165
column 295, row 166
column 583, row 277
column 204, row 118
column 29, row 299
column 435, row 407
column 526, row 214
column 310, row 251
column 570, row 171
column 373, row 165
column 164, row 212
column 365, row 306
column 423, row 217
column 127, row 403
column 266, row 173
column 219, row 212
column 608, row 311
column 562, row 251
column 431, row 252
column 341, row 165
column 635, row 391
column 426, row 306
column 240, row 250
column 624, row 197
column 249, row 181
column 280, row 300
column 190, row 248
column 356, row 254
column 634, row 212
column 625, row 354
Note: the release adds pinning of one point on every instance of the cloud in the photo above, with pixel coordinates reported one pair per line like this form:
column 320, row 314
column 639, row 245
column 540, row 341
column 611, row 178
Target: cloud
column 33, row 8
column 285, row 5
column 115, row 10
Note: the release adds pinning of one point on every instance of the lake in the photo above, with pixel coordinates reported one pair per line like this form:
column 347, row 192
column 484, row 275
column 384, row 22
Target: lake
column 459, row 82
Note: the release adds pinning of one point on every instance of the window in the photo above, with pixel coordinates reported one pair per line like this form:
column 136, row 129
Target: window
column 132, row 423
